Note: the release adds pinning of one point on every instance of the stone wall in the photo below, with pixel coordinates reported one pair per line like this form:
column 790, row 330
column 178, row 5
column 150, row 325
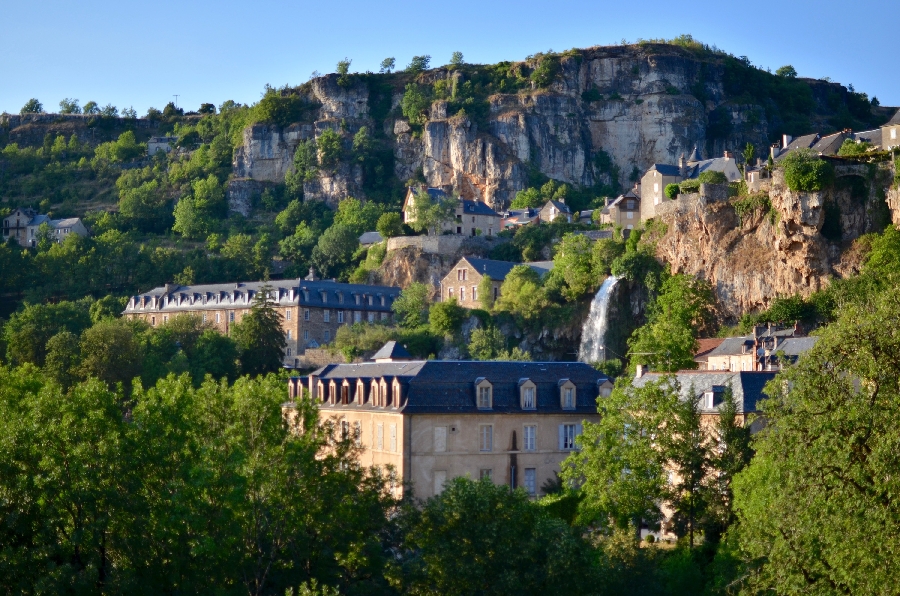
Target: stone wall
column 445, row 244
column 319, row 357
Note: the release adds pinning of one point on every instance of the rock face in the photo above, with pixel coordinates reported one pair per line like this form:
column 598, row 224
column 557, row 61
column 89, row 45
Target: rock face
column 795, row 248
column 639, row 104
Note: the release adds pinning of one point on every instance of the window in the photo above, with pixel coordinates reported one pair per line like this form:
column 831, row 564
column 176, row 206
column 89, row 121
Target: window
column 153, row 320
column 629, row 215
column 384, row 316
column 306, row 335
column 371, row 317
column 357, row 316
column 340, row 316
column 462, row 294
column 289, row 334
column 529, row 436
column 289, row 352
column 165, row 319
column 440, row 478
column 496, row 291
column 204, row 317
column 393, row 438
column 567, row 434
column 345, row 429
column 656, row 187
column 528, row 398
column 893, row 133
column 449, row 293
column 217, row 317
column 486, row 437
column 484, row 397
column 531, row 481
column 461, row 275
column 231, row 317
column 440, row 439
column 486, row 473
column 340, row 298
column 287, row 314
column 326, row 316
column 356, row 297
column 357, row 433
column 474, row 293
column 305, row 314
column 567, row 395
column 379, row 436
column 327, row 335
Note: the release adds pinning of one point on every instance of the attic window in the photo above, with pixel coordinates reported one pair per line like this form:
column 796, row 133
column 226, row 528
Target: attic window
column 566, row 394
column 528, row 394
column 484, row 393
column 714, row 396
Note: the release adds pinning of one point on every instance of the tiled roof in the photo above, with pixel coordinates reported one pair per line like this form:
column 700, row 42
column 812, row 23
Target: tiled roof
column 446, row 386
column 707, row 345
column 498, row 270
column 747, row 387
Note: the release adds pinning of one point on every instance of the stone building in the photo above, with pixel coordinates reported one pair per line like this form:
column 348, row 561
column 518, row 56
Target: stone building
column 758, row 351
column 155, row 144
column 653, row 183
column 890, row 132
column 311, row 309
column 472, row 218
column 463, row 279
column 23, row 224
column 623, row 211
column 553, row 209
column 434, row 420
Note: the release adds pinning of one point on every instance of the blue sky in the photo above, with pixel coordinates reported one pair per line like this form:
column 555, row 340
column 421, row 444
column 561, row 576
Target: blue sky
column 142, row 53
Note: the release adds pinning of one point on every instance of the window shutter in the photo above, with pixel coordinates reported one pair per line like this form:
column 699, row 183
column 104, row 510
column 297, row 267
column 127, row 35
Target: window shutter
column 562, row 437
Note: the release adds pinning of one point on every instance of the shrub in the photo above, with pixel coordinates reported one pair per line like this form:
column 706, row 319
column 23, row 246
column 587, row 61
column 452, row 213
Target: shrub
column 591, row 95
column 671, row 190
column 414, row 104
column 32, row 106
column 546, row 70
column 389, row 225
column 445, row 318
column 851, row 148
column 804, row 171
column 329, row 144
column 712, row 177
column 418, row 64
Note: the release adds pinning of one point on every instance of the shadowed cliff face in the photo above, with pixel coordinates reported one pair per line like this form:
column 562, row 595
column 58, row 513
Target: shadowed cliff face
column 639, row 104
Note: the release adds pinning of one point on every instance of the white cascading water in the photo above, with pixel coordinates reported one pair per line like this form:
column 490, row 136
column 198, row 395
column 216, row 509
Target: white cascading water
column 594, row 331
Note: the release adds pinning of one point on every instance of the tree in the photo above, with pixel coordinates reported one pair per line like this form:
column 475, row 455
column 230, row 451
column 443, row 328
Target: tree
column 688, row 456
column 69, row 106
column 748, row 154
column 63, row 358
column 487, row 343
column 259, row 336
column 194, row 214
column 306, row 166
column 480, row 538
column 428, row 214
column 27, row 332
column 214, row 354
column 145, row 207
column 522, row 294
column 329, row 145
column 32, row 106
column 356, row 215
column 572, row 267
column 819, row 487
column 44, row 237
column 712, row 177
column 298, row 247
column 418, row 64
column 805, row 171
column 91, row 107
column 414, row 104
column 486, row 292
column 411, row 306
column 335, row 249
column 620, row 468
column 446, row 318
column 207, row 108
column 456, row 60
column 390, row 225
column 672, row 191
column 851, row 147
column 787, row 71
column 109, row 110
column 343, row 70
column 111, row 352
column 387, row 65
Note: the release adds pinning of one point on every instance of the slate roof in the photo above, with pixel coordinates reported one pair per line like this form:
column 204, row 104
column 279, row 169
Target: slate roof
column 747, row 387
column 477, row 208
column 448, row 387
column 562, row 207
column 666, row 169
column 795, row 346
column 804, row 142
column 893, row 121
column 64, row 223
column 392, row 350
column 370, row 238
column 717, row 164
column 217, row 296
column 869, row 136
column 732, row 346
column 829, row 145
column 498, row 270
column 38, row 220
column 695, row 155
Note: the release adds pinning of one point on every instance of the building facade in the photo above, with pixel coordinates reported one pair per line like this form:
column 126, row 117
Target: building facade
column 553, row 209
column 471, row 218
column 464, row 278
column 759, row 351
column 23, row 224
column 890, row 132
column 623, row 211
column 512, row 422
column 311, row 310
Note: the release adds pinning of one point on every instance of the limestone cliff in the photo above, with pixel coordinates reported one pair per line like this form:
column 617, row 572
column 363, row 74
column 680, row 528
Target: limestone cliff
column 639, row 104
column 794, row 247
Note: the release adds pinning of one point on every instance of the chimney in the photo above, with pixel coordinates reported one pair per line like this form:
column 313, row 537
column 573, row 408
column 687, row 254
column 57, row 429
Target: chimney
column 786, row 140
column 728, row 154
column 774, row 150
column 682, row 166
column 639, row 371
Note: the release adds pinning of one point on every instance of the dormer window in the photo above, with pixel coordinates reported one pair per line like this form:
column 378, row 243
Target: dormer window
column 527, row 394
column 605, row 388
column 714, row 397
column 484, row 392
column 340, row 298
column 566, row 394
column 357, row 297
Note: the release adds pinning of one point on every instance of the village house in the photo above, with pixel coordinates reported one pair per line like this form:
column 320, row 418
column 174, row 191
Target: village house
column 311, row 309
column 472, row 218
column 155, row 144
column 758, row 351
column 655, row 180
column 23, row 224
column 462, row 281
column 890, row 132
column 368, row 239
column 623, row 211
column 516, row 218
column 435, row 420
column 553, row 209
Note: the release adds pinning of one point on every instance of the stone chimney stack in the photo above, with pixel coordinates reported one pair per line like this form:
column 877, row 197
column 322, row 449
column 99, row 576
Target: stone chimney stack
column 639, row 371
column 682, row 166
column 728, row 154
column 786, row 140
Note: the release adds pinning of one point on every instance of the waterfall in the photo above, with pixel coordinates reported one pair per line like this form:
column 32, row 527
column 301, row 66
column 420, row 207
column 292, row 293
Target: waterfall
column 594, row 331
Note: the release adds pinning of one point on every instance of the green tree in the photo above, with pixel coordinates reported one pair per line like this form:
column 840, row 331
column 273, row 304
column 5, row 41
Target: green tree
column 91, row 107
column 480, row 538
column 32, row 106
column 415, row 104
column 418, row 64
column 522, row 294
column 805, row 171
column 787, row 71
column 390, row 225
column 687, row 450
column 259, row 336
column 108, row 307
column 411, row 306
column 63, row 358
column 748, row 154
column 44, row 237
column 356, row 215
column 69, row 106
column 429, row 214
column 306, row 167
column 111, row 352
column 446, row 318
column 27, row 332
column 343, row 72
column 620, row 468
column 298, row 247
column 850, row 147
column 818, row 488
column 672, row 191
column 486, row 292
column 712, row 177
column 214, row 354
column 456, row 60
column 387, row 65
column 573, row 272
column 145, row 206
column 487, row 343
column 329, row 145
column 334, row 251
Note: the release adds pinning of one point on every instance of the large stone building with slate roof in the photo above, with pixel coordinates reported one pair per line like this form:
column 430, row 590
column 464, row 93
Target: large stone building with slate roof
column 463, row 279
column 472, row 218
column 434, row 420
column 890, row 132
column 311, row 309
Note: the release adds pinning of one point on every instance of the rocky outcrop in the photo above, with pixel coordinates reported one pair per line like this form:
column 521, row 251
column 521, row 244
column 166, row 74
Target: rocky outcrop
column 241, row 194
